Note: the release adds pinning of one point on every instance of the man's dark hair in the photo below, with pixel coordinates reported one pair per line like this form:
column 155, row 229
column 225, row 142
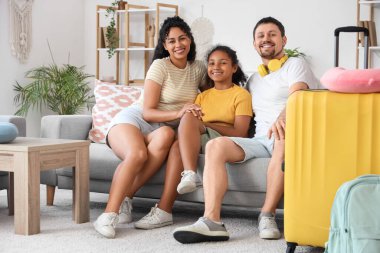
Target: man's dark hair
column 268, row 20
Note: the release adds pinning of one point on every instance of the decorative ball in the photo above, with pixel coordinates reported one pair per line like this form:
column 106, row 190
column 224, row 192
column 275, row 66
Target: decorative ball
column 8, row 132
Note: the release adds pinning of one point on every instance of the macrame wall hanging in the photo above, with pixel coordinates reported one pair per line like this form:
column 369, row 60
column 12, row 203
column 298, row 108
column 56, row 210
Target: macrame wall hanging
column 203, row 32
column 20, row 14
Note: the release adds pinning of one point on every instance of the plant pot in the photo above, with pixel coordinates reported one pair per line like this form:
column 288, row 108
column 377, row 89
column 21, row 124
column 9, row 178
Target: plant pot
column 121, row 5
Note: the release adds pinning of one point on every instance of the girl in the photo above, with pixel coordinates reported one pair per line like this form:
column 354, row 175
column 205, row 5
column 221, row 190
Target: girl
column 142, row 135
column 226, row 109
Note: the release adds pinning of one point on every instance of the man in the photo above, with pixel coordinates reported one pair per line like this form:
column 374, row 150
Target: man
column 278, row 77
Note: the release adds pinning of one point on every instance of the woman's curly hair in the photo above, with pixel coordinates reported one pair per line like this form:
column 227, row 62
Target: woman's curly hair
column 160, row 52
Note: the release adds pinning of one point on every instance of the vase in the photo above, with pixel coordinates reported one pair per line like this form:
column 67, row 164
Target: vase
column 8, row 132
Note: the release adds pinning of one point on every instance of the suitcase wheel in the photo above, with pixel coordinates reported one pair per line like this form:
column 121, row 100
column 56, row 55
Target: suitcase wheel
column 291, row 247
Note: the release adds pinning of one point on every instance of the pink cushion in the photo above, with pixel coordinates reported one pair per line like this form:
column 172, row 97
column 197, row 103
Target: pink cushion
column 110, row 99
column 352, row 81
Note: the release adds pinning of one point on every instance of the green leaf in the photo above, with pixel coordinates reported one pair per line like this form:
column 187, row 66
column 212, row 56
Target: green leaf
column 63, row 90
column 294, row 52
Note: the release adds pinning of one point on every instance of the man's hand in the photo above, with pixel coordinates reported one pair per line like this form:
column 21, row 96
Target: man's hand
column 278, row 128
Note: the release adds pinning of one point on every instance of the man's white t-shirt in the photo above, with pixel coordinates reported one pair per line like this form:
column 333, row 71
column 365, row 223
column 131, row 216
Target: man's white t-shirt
column 270, row 93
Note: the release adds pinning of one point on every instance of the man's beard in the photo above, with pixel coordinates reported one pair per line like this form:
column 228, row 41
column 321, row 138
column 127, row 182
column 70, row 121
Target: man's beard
column 270, row 56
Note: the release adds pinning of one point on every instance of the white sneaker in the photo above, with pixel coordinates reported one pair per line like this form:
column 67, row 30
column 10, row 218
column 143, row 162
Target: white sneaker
column 156, row 218
column 268, row 228
column 189, row 182
column 105, row 224
column 125, row 211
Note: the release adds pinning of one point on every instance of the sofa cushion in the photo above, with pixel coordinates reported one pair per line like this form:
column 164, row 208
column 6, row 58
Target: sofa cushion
column 110, row 99
column 249, row 176
column 103, row 163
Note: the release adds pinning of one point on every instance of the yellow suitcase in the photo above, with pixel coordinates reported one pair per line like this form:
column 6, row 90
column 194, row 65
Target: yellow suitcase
column 330, row 138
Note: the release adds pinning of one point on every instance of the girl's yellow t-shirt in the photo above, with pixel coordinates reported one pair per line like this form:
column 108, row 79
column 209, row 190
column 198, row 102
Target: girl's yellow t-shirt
column 221, row 106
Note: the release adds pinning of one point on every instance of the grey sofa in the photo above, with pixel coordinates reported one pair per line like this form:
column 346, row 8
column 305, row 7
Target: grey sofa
column 246, row 187
column 4, row 176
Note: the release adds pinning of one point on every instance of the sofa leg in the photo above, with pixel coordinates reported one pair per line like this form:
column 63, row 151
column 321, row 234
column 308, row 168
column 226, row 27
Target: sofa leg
column 10, row 194
column 50, row 190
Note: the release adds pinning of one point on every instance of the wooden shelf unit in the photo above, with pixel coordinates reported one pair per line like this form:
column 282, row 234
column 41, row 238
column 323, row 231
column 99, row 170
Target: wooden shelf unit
column 128, row 46
column 372, row 5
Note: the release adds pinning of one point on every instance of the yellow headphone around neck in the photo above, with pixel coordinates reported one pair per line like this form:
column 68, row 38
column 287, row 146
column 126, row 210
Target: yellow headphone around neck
column 273, row 65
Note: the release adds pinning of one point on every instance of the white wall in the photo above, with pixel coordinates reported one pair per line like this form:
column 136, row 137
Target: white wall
column 60, row 22
column 309, row 25
column 70, row 27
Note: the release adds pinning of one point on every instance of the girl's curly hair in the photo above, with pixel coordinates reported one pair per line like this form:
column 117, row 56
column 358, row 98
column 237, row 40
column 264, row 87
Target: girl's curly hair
column 238, row 78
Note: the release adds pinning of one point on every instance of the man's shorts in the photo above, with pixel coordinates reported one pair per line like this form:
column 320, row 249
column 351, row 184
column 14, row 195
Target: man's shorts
column 255, row 147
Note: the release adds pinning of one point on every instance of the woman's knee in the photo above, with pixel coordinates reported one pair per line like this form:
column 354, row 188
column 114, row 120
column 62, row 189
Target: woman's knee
column 164, row 137
column 138, row 156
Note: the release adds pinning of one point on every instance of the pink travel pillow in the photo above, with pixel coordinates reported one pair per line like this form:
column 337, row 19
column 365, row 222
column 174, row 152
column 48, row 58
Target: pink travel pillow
column 352, row 81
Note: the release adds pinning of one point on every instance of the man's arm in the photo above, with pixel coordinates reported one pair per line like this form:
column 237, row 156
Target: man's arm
column 278, row 127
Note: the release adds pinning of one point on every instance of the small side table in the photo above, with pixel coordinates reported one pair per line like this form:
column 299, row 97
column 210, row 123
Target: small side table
column 26, row 158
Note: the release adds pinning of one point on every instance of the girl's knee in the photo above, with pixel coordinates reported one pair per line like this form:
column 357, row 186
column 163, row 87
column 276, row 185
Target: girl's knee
column 188, row 119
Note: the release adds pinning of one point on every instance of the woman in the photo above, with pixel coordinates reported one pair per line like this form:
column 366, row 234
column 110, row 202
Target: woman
column 142, row 135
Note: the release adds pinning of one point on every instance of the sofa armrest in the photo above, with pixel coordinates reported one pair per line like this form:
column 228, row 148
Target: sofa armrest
column 74, row 127
column 20, row 123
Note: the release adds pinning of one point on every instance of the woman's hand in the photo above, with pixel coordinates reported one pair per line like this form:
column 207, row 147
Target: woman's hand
column 196, row 110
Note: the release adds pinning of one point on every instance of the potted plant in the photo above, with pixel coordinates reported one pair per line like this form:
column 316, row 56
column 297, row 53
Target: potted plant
column 112, row 37
column 63, row 90
column 294, row 52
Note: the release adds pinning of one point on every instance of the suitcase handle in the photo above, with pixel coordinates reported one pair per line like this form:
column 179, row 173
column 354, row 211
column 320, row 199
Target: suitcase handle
column 351, row 29
column 356, row 29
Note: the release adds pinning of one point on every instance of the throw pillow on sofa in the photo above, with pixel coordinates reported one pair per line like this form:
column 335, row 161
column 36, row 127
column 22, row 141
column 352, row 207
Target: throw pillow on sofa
column 110, row 99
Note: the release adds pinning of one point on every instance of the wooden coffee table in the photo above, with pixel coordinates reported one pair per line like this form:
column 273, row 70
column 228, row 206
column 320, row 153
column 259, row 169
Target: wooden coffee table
column 26, row 158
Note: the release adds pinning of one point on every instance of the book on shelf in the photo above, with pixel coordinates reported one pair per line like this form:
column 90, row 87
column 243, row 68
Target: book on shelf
column 372, row 38
column 101, row 42
column 372, row 33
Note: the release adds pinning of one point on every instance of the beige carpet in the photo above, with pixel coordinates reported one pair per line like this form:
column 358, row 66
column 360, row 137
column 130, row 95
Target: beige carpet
column 60, row 234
